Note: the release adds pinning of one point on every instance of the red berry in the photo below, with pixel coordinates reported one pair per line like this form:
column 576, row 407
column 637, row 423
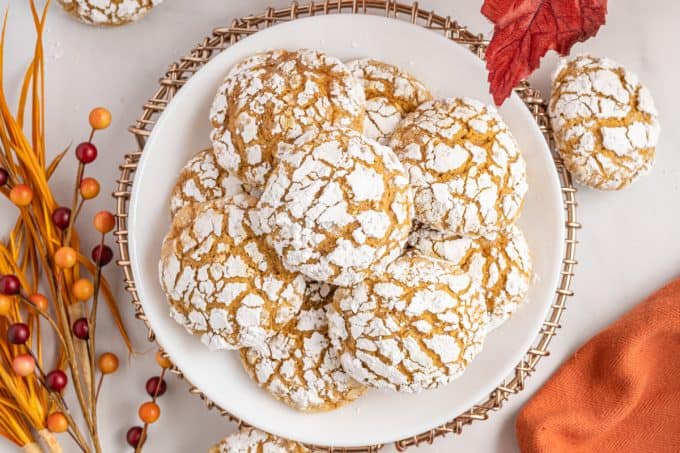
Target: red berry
column 134, row 435
column 18, row 333
column 56, row 380
column 4, row 177
column 86, row 152
column 81, row 329
column 9, row 285
column 156, row 384
column 102, row 255
column 61, row 217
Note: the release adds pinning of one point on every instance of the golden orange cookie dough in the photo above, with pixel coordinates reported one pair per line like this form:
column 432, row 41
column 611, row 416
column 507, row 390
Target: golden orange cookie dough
column 297, row 364
column 270, row 99
column 337, row 207
column 108, row 12
column 251, row 440
column 222, row 282
column 500, row 262
column 416, row 326
column 604, row 120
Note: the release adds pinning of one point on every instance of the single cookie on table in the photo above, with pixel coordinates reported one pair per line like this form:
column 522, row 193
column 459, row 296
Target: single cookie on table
column 500, row 262
column 390, row 94
column 270, row 99
column 202, row 180
column 297, row 365
column 222, row 282
column 337, row 207
column 108, row 12
column 465, row 166
column 416, row 326
column 251, row 440
column 605, row 122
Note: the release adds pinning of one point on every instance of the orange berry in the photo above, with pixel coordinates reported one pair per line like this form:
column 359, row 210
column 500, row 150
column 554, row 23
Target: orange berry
column 56, row 422
column 89, row 188
column 100, row 118
column 23, row 365
column 163, row 362
column 82, row 289
column 104, row 221
column 149, row 412
column 108, row 363
column 5, row 304
column 40, row 301
column 65, row 257
column 21, row 195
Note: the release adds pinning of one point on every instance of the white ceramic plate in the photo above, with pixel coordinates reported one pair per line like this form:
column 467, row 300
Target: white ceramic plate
column 379, row 417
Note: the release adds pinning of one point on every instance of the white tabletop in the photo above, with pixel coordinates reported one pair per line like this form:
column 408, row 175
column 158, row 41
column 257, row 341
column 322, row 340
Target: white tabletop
column 629, row 243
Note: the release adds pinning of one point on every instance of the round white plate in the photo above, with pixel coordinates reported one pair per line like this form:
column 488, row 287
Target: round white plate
column 379, row 417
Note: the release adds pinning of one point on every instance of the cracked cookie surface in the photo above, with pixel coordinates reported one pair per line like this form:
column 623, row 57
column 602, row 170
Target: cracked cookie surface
column 390, row 94
column 222, row 282
column 297, row 365
column 465, row 167
column 416, row 326
column 270, row 99
column 108, row 12
column 251, row 440
column 499, row 262
column 202, row 180
column 604, row 120
column 337, row 207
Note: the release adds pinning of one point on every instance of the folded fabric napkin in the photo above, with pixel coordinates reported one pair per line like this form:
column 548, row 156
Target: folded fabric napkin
column 619, row 393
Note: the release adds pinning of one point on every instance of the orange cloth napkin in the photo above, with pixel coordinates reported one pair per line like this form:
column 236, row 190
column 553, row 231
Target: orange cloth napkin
column 619, row 393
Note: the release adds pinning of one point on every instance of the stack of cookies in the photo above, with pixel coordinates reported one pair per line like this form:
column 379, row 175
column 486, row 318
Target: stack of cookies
column 346, row 230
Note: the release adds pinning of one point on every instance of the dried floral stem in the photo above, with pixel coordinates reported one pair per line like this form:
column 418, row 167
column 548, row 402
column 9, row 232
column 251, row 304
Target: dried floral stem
column 142, row 438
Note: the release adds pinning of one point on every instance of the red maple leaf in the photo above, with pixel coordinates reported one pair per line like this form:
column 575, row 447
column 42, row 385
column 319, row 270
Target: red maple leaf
column 526, row 29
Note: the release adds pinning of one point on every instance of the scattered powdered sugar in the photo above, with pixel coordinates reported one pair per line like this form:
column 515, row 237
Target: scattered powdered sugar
column 337, row 207
column 222, row 282
column 108, row 12
column 296, row 364
column 499, row 262
column 465, row 166
column 390, row 94
column 416, row 326
column 270, row 99
column 202, row 180
column 604, row 120
column 251, row 440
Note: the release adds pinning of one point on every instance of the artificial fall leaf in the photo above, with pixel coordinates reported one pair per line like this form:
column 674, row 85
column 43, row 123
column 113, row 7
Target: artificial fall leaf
column 526, row 29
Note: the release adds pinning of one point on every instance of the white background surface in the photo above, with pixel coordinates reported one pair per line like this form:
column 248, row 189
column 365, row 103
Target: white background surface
column 629, row 243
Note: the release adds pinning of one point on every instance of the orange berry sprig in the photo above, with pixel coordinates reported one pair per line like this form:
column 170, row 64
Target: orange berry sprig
column 149, row 412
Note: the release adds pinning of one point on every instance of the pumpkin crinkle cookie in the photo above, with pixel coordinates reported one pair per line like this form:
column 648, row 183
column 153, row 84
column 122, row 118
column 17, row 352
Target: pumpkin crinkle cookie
column 108, row 12
column 251, row 440
column 465, row 167
column 415, row 326
column 297, row 365
column 605, row 122
column 390, row 94
column 337, row 207
column 270, row 99
column 222, row 282
column 500, row 262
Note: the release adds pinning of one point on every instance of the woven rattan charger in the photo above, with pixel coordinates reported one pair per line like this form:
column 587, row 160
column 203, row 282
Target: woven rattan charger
column 221, row 38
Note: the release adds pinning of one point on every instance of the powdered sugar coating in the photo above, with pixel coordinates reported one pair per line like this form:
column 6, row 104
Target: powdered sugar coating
column 605, row 122
column 499, row 262
column 337, row 207
column 390, row 94
column 297, row 365
column 108, row 12
column 202, row 180
column 465, row 166
column 416, row 326
column 270, row 99
column 251, row 440
column 222, row 282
